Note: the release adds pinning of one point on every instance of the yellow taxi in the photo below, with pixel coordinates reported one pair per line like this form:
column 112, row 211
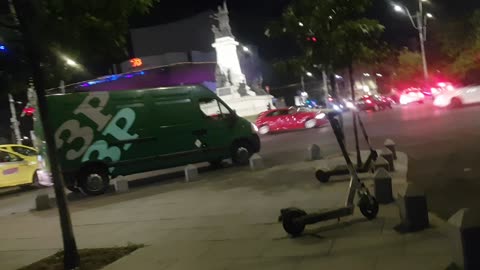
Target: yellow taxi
column 17, row 169
column 25, row 152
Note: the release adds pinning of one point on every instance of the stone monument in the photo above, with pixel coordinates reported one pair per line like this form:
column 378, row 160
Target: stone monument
column 231, row 82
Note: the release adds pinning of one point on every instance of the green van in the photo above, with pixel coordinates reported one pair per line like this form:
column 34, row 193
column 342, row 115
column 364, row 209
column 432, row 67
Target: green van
column 103, row 134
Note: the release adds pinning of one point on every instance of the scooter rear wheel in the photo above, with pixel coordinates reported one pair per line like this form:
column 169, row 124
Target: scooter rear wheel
column 322, row 176
column 368, row 207
column 290, row 225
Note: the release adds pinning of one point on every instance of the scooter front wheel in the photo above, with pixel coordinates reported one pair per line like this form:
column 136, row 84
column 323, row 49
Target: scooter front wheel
column 289, row 222
column 322, row 176
column 368, row 207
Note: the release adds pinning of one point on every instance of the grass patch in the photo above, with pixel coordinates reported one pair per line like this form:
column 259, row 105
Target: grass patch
column 90, row 259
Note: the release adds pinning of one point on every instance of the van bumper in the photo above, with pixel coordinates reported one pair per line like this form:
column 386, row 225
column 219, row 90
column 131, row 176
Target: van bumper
column 255, row 142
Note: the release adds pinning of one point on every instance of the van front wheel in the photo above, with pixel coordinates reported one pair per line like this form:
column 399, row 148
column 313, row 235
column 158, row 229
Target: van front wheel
column 241, row 153
column 94, row 181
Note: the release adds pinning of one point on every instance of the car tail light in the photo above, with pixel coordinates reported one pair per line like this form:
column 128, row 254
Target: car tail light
column 369, row 101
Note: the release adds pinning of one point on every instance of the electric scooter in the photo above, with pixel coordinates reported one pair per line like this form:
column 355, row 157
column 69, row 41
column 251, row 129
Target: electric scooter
column 324, row 176
column 294, row 220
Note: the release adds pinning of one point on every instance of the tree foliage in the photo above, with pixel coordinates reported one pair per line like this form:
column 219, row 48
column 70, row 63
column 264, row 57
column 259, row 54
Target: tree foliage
column 460, row 42
column 331, row 33
column 91, row 32
column 408, row 69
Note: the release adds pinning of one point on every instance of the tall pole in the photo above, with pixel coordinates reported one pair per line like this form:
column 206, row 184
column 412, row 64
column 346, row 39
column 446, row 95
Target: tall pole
column 354, row 116
column 28, row 12
column 325, row 87
column 421, row 34
column 14, row 120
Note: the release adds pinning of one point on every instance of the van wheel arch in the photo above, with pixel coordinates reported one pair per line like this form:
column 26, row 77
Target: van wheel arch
column 239, row 157
column 93, row 178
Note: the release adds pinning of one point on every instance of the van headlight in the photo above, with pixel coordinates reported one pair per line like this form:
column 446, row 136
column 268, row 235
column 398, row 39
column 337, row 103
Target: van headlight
column 254, row 128
column 320, row 116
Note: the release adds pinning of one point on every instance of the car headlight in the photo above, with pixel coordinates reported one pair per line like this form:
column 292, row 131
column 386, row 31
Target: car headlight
column 320, row 116
column 254, row 128
column 350, row 105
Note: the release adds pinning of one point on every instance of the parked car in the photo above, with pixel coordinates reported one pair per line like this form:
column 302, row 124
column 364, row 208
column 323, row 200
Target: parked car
column 104, row 134
column 373, row 103
column 458, row 97
column 412, row 95
column 288, row 119
column 16, row 171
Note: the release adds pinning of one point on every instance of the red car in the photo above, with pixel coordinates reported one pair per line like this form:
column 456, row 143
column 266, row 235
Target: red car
column 288, row 119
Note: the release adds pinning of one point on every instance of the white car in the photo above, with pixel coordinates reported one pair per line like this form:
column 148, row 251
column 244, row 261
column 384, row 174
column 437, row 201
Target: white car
column 412, row 95
column 458, row 97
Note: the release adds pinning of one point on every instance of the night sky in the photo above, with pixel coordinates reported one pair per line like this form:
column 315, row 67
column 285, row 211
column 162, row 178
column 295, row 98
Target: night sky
column 249, row 17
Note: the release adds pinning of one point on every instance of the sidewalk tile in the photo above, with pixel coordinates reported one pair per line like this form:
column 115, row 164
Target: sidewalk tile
column 234, row 249
column 379, row 245
column 198, row 264
column 427, row 262
column 238, row 232
column 147, row 258
column 297, row 247
column 16, row 259
column 338, row 263
column 280, row 263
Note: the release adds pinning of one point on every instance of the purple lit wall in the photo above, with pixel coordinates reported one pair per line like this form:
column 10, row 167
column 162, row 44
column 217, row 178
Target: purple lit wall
column 182, row 74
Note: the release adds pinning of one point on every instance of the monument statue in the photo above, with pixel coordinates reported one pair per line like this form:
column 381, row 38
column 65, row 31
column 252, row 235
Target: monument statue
column 220, row 77
column 223, row 29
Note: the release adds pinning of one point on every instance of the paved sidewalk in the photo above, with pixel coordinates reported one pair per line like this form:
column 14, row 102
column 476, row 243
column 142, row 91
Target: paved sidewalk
column 228, row 220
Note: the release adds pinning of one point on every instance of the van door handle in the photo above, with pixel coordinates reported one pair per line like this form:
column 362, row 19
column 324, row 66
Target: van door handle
column 199, row 132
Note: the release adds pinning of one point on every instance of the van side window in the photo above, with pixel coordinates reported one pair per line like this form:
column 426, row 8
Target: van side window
column 213, row 108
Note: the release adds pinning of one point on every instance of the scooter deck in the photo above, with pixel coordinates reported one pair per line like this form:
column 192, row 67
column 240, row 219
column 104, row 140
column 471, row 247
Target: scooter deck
column 316, row 217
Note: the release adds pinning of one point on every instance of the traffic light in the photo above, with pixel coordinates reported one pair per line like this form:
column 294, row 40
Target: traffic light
column 28, row 111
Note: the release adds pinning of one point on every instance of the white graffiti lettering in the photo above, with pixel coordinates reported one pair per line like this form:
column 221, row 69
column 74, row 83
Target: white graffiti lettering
column 93, row 112
column 74, row 132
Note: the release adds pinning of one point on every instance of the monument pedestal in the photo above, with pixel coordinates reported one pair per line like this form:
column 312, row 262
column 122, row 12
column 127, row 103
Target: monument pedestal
column 246, row 105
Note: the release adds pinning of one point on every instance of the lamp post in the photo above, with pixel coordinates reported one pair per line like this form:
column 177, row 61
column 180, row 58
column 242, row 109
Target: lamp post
column 421, row 25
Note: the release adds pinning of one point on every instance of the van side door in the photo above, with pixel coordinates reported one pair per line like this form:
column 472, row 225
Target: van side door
column 217, row 129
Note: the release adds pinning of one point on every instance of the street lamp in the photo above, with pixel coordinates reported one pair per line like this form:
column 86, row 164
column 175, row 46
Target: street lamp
column 300, row 24
column 245, row 49
column 421, row 26
column 309, row 74
column 398, row 8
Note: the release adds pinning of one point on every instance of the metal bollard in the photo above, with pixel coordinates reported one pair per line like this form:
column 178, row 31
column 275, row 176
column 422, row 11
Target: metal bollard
column 413, row 209
column 381, row 163
column 42, row 202
column 191, row 173
column 464, row 233
column 121, row 185
column 388, row 156
column 256, row 162
column 383, row 186
column 313, row 152
column 390, row 145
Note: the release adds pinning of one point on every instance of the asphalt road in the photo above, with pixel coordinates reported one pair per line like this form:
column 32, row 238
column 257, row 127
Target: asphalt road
column 442, row 145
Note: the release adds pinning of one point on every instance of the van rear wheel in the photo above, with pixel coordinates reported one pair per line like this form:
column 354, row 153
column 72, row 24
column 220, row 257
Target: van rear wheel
column 241, row 153
column 94, row 180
